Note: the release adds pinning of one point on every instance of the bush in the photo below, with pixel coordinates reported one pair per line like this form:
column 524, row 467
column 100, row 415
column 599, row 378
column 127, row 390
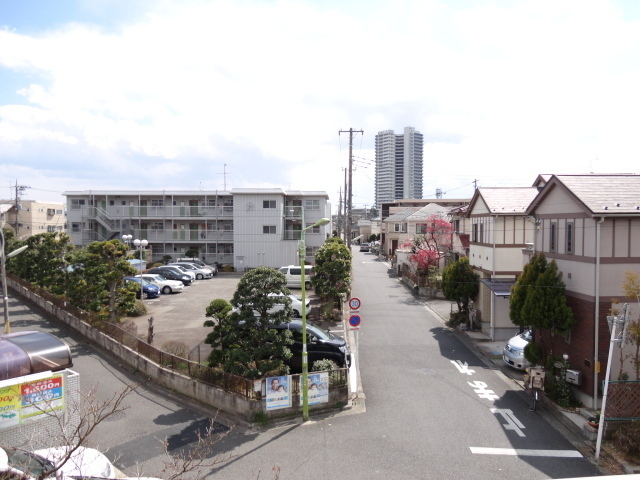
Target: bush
column 138, row 309
column 323, row 365
column 174, row 347
column 627, row 440
column 456, row 318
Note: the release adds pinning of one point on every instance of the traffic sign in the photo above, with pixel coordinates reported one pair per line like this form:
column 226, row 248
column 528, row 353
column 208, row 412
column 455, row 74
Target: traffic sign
column 354, row 320
column 354, row 303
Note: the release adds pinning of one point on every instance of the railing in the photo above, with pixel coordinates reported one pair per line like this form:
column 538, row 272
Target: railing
column 114, row 212
column 292, row 234
column 230, row 383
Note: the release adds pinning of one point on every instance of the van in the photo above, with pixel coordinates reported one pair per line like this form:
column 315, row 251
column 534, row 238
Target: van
column 293, row 274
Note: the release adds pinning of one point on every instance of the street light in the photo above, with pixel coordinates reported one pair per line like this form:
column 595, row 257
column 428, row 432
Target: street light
column 127, row 239
column 305, row 366
column 140, row 244
column 5, row 294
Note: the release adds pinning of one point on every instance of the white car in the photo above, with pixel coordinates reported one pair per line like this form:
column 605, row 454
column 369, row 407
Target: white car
column 84, row 462
column 200, row 273
column 296, row 305
column 513, row 353
column 166, row 286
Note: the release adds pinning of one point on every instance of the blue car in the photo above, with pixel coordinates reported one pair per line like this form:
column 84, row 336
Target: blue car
column 149, row 289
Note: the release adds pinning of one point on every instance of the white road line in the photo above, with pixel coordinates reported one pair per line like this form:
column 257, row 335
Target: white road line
column 523, row 452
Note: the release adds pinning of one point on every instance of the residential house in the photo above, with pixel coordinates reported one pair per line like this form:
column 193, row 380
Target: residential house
column 500, row 229
column 589, row 225
column 33, row 217
column 245, row 228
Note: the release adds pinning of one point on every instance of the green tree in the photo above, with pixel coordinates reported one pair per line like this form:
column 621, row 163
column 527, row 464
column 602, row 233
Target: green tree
column 544, row 303
column 96, row 280
column 242, row 343
column 332, row 273
column 460, row 283
column 44, row 262
column 536, row 265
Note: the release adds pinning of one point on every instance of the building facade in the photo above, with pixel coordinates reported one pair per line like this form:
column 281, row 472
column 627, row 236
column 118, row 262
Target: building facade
column 398, row 165
column 245, row 228
column 33, row 217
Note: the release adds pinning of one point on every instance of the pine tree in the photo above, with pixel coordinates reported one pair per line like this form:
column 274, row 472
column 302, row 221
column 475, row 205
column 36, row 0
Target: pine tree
column 460, row 283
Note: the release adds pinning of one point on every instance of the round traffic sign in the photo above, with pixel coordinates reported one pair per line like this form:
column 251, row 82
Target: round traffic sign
column 354, row 320
column 354, row 303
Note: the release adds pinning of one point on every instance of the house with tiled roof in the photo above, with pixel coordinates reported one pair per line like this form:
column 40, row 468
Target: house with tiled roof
column 590, row 225
column 500, row 230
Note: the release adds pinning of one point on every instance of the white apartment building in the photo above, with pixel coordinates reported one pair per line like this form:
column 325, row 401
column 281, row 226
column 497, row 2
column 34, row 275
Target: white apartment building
column 244, row 227
column 398, row 165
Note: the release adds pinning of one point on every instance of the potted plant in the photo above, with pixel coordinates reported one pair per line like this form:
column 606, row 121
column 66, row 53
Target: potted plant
column 595, row 420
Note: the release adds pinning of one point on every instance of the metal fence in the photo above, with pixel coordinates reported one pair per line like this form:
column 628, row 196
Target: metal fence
column 623, row 400
column 230, row 383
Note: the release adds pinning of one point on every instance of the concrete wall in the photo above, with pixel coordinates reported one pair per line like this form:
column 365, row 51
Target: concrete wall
column 236, row 405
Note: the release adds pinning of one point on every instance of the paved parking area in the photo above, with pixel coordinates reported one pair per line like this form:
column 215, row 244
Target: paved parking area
column 181, row 316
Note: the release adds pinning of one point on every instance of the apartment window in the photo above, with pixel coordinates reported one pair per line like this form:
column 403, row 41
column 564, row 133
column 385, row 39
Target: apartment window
column 75, row 227
column 59, row 212
column 157, row 226
column 77, row 203
column 456, row 226
column 157, row 203
column 312, row 230
column 112, row 203
column 268, row 204
column 311, row 251
column 51, row 228
column 569, row 238
column 481, row 233
column 269, row 229
column 421, row 228
column 312, row 204
column 474, row 233
column 400, row 227
column 552, row 237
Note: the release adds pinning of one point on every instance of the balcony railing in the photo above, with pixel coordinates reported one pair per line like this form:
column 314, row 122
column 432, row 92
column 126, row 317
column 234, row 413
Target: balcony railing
column 114, row 212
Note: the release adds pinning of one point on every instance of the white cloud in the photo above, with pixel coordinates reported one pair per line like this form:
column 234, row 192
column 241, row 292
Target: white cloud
column 501, row 90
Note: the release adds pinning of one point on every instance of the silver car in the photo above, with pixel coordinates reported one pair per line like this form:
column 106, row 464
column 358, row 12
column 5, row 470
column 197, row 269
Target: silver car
column 513, row 353
column 200, row 273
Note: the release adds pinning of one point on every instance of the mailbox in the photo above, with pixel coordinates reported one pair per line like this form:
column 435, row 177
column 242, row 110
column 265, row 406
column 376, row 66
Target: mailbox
column 574, row 377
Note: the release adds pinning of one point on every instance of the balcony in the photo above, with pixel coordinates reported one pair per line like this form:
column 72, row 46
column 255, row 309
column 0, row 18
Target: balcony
column 114, row 212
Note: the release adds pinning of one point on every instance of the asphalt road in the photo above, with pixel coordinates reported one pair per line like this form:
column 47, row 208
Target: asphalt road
column 433, row 409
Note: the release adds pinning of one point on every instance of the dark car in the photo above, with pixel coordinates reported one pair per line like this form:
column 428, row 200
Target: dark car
column 321, row 345
column 150, row 290
column 171, row 274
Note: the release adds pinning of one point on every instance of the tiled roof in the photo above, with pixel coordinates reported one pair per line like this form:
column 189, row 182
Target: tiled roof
column 605, row 193
column 399, row 216
column 428, row 211
column 508, row 200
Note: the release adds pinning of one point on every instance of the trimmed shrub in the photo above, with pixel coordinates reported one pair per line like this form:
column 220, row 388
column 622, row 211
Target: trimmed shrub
column 139, row 309
column 323, row 365
column 627, row 440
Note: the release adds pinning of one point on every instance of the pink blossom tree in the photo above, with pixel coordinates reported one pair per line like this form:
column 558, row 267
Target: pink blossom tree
column 429, row 246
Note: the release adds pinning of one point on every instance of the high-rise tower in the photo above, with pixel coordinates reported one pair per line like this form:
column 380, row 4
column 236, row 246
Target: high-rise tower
column 398, row 165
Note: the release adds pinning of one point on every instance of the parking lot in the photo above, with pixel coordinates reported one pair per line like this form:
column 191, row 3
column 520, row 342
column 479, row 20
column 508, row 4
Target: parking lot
column 180, row 316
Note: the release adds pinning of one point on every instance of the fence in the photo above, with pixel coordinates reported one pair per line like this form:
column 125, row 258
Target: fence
column 240, row 386
column 623, row 400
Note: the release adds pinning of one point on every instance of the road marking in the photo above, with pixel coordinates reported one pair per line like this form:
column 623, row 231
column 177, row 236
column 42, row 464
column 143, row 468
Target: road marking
column 523, row 452
column 463, row 367
column 512, row 422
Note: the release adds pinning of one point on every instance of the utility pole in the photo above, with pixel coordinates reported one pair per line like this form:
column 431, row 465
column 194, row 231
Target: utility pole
column 340, row 215
column 344, row 208
column 349, row 196
column 16, row 206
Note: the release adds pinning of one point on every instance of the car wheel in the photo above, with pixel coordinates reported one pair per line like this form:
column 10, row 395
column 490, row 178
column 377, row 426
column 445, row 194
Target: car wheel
column 199, row 276
column 166, row 289
column 296, row 314
column 308, row 285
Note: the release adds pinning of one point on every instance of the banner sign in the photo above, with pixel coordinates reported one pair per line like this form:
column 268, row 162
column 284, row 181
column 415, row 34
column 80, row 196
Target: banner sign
column 24, row 401
column 278, row 392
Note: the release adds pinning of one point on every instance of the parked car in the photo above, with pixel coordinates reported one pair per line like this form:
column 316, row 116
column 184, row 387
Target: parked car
column 513, row 353
column 364, row 247
column 171, row 274
column 200, row 273
column 165, row 285
column 296, row 305
column 199, row 263
column 150, row 290
column 293, row 275
column 84, row 462
column 175, row 269
column 321, row 345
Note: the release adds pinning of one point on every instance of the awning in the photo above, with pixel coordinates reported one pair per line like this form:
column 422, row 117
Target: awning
column 499, row 287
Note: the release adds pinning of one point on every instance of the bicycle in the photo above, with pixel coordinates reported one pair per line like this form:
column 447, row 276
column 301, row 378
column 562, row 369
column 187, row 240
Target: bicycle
column 536, row 384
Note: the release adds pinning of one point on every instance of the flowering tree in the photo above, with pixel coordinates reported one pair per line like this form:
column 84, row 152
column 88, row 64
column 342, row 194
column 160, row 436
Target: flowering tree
column 429, row 246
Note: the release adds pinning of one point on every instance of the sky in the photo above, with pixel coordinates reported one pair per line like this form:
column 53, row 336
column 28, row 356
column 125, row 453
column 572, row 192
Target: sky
column 223, row 94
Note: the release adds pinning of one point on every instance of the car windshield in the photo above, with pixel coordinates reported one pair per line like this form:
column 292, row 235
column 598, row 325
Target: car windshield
column 28, row 462
column 318, row 332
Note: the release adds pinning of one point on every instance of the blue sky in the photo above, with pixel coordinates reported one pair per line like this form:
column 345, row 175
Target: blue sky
column 152, row 95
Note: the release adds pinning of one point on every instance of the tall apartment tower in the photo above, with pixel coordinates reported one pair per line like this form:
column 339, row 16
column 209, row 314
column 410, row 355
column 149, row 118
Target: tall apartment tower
column 398, row 165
